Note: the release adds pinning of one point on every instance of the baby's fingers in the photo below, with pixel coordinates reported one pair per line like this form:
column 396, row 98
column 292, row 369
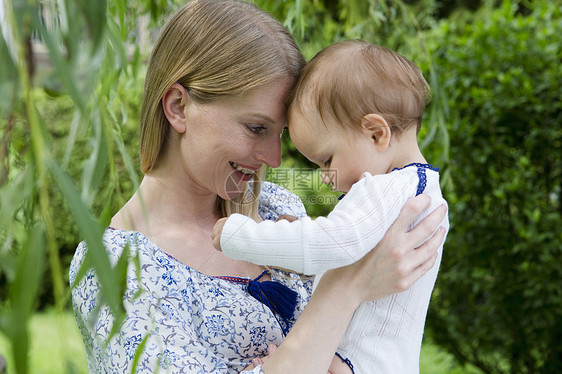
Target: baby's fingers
column 287, row 217
column 217, row 232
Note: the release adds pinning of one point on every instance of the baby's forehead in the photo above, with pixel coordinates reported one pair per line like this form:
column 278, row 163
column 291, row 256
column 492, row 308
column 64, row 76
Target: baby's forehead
column 304, row 116
column 310, row 138
column 302, row 106
column 306, row 126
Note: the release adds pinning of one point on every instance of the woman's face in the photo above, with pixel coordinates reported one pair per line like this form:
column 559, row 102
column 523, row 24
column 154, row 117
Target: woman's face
column 228, row 140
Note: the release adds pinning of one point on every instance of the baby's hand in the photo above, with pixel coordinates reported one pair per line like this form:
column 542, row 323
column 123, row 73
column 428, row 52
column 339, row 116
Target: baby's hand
column 287, row 217
column 217, row 231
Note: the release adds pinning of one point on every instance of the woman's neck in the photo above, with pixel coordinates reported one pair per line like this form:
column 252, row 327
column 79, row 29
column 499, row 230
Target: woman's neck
column 162, row 203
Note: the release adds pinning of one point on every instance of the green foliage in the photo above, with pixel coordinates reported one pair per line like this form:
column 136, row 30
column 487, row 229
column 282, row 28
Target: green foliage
column 49, row 150
column 45, row 329
column 498, row 303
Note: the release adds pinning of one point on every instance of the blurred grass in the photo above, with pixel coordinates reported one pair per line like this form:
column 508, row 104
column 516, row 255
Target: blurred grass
column 434, row 360
column 56, row 347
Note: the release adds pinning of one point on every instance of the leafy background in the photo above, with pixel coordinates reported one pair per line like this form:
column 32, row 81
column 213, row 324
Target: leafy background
column 71, row 77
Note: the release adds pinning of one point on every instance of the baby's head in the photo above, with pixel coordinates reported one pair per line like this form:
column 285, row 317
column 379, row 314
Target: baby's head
column 352, row 89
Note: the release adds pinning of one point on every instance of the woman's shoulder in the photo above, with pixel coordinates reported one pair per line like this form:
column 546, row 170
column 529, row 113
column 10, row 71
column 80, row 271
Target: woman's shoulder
column 275, row 201
column 160, row 273
column 114, row 242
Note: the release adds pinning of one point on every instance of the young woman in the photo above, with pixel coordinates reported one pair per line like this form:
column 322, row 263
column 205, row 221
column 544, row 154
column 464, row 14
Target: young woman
column 213, row 110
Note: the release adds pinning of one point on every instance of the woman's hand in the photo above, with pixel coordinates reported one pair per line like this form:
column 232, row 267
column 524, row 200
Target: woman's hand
column 400, row 258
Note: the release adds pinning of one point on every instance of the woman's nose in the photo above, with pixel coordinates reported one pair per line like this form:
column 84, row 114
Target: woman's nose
column 269, row 152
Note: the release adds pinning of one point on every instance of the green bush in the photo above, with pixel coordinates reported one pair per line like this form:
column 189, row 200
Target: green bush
column 498, row 302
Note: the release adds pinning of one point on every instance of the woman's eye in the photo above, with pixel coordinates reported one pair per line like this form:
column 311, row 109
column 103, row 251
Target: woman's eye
column 256, row 129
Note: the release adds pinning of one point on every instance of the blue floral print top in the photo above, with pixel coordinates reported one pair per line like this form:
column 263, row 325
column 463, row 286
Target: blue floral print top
column 195, row 323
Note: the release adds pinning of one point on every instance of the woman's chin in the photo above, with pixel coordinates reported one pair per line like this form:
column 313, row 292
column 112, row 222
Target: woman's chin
column 235, row 184
column 233, row 188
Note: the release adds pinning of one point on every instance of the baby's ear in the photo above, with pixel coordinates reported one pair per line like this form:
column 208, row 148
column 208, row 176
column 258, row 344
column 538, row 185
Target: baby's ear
column 375, row 126
column 174, row 102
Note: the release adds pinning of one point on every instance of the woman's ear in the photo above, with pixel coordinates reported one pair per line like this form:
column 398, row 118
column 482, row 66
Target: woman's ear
column 376, row 127
column 174, row 102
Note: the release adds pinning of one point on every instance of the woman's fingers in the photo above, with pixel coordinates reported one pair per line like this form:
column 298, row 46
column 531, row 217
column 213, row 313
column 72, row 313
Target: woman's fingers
column 425, row 229
column 417, row 262
column 410, row 211
column 429, row 248
column 425, row 257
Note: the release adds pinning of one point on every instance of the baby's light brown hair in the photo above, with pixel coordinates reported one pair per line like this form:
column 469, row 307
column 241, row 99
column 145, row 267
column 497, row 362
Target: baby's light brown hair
column 350, row 79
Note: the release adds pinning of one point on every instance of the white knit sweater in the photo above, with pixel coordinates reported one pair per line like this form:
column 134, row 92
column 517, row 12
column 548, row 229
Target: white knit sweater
column 384, row 336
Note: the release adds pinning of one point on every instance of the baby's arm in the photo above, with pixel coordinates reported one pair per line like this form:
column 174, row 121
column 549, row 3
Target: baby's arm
column 309, row 246
column 217, row 230
column 264, row 243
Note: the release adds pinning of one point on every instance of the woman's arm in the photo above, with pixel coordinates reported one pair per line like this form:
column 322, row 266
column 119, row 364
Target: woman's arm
column 393, row 266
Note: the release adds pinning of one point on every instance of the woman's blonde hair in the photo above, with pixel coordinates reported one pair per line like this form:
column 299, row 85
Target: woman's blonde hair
column 353, row 78
column 213, row 48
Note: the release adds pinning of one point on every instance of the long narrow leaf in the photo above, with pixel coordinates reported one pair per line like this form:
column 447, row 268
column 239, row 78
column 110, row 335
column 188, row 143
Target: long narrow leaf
column 92, row 234
column 117, row 42
column 63, row 69
column 96, row 166
column 95, row 14
column 23, row 292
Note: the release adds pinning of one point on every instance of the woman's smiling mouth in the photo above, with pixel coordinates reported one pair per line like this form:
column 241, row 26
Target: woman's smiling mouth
column 241, row 169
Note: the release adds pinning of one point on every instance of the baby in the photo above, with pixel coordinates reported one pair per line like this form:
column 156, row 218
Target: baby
column 356, row 111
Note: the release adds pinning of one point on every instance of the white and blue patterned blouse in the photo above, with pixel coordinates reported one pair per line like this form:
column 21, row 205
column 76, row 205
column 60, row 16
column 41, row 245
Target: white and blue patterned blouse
column 195, row 323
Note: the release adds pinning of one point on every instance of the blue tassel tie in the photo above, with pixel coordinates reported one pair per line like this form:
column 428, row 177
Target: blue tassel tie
column 276, row 296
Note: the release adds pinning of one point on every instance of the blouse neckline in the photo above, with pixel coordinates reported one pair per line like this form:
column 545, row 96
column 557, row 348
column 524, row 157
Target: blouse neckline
column 229, row 278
